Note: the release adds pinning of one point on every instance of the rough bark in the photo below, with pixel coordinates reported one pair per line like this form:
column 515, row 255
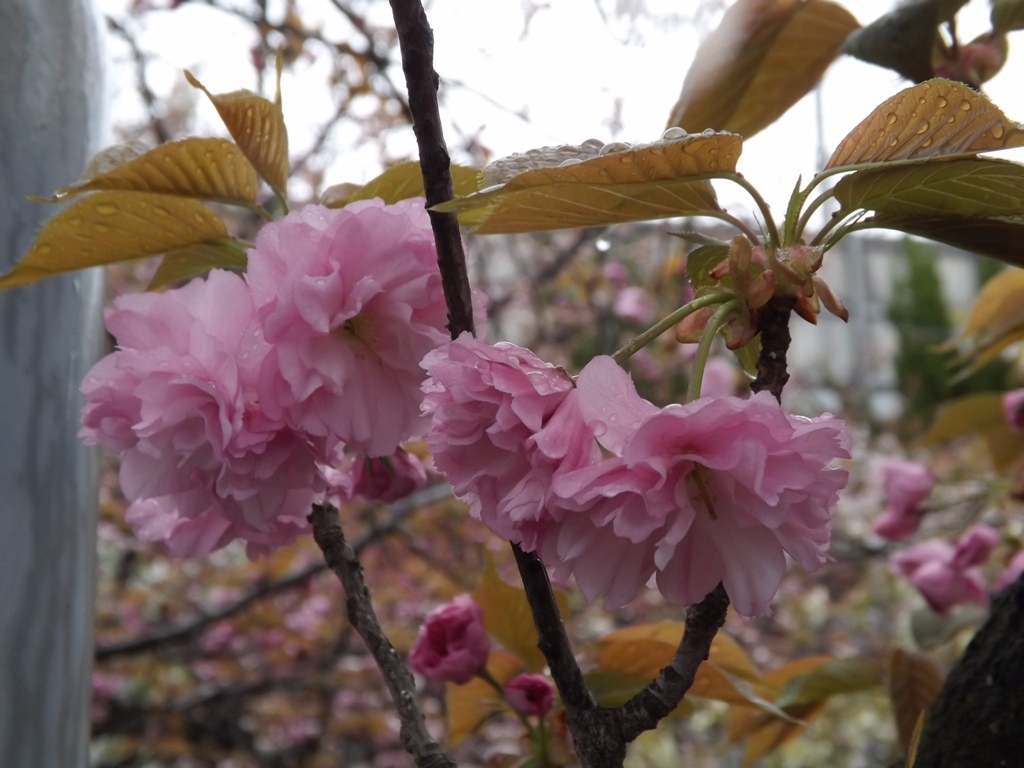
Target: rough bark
column 50, row 119
column 978, row 719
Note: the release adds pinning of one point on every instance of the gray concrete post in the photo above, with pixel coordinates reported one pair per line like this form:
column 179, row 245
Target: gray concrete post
column 51, row 116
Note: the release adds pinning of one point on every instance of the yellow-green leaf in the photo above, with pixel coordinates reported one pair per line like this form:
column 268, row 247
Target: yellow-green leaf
column 982, row 415
column 914, row 682
column 938, row 118
column 212, row 169
column 1007, row 15
column 761, row 60
column 641, row 651
column 194, row 260
column 594, row 184
column 508, row 619
column 107, row 227
column 1001, row 238
column 613, row 689
column 469, row 705
column 996, row 319
column 969, row 187
column 400, row 182
column 827, row 679
column 257, row 126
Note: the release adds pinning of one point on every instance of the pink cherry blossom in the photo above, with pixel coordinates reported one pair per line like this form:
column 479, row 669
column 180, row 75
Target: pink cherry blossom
column 350, row 301
column 499, row 433
column 452, row 645
column 201, row 464
column 944, row 573
column 1013, row 409
column 715, row 490
column 974, row 546
column 906, row 484
column 530, row 694
column 635, row 305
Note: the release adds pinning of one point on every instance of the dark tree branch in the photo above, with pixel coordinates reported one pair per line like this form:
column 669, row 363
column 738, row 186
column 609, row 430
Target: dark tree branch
column 399, row 511
column 416, row 40
column 977, row 718
column 775, row 340
column 342, row 560
column 150, row 100
column 656, row 701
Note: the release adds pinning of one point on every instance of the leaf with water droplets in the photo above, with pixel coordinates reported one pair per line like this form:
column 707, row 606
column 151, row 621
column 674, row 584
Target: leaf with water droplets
column 594, row 185
column 1001, row 239
column 257, row 126
column 1007, row 15
column 400, row 182
column 194, row 260
column 107, row 227
column 210, row 168
column 970, row 187
column 761, row 60
column 938, row 118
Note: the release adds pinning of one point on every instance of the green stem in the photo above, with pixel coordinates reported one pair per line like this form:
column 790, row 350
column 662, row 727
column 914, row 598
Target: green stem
column 281, row 199
column 542, row 743
column 659, row 328
column 704, row 347
column 769, row 222
column 814, row 205
column 729, row 218
column 837, row 218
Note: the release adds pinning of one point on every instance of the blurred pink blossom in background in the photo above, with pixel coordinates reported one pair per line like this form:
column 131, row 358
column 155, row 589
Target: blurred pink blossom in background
column 906, row 484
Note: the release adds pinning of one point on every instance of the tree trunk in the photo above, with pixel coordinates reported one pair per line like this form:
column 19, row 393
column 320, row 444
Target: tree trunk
column 50, row 119
column 978, row 719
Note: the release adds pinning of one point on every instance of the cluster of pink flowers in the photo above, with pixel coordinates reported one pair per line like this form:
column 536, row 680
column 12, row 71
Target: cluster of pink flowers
column 947, row 574
column 226, row 398
column 608, row 487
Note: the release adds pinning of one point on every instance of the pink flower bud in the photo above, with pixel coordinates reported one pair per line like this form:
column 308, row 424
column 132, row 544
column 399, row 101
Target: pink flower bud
column 452, row 645
column 974, row 547
column 906, row 484
column 530, row 694
column 388, row 478
column 1013, row 409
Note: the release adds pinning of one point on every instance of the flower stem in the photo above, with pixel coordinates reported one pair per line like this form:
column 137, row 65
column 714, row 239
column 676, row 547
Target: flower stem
column 645, row 338
column 704, row 347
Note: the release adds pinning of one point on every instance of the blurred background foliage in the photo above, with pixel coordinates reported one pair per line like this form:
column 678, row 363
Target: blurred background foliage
column 227, row 663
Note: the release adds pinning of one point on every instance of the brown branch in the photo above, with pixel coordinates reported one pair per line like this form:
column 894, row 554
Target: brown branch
column 416, row 40
column 657, row 700
column 149, row 99
column 976, row 719
column 399, row 511
column 775, row 340
column 342, row 560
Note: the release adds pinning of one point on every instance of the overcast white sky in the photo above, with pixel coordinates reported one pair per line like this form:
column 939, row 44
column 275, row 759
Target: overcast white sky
column 567, row 73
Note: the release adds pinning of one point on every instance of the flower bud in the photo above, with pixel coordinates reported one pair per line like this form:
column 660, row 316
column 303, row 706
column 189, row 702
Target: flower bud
column 452, row 645
column 530, row 694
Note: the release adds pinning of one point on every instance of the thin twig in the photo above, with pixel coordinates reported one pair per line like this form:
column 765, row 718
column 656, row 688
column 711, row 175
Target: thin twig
column 398, row 512
column 416, row 41
column 342, row 560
